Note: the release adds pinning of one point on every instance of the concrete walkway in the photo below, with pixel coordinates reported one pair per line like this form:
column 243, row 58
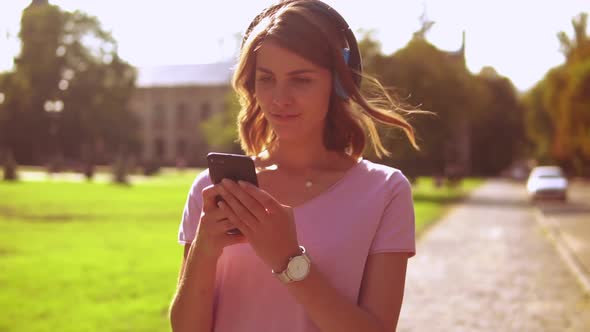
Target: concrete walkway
column 568, row 225
column 490, row 266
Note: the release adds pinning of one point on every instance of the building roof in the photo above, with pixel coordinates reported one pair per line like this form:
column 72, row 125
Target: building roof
column 185, row 75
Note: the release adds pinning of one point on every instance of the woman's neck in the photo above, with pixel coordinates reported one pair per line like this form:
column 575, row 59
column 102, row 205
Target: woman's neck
column 302, row 158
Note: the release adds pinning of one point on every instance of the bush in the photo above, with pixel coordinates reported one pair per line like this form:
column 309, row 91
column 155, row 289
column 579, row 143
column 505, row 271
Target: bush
column 151, row 167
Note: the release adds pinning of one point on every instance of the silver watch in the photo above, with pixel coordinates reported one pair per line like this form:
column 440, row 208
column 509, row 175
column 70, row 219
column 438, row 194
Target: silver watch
column 297, row 269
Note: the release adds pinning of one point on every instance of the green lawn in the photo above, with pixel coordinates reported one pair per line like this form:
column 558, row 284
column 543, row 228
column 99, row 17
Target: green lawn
column 102, row 257
column 431, row 203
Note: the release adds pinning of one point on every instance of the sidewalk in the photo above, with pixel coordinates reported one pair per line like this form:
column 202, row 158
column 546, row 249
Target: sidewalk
column 489, row 266
column 568, row 225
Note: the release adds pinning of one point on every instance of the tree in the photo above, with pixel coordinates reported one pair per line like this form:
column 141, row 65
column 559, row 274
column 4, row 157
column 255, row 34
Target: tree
column 421, row 75
column 67, row 58
column 471, row 109
column 220, row 131
column 497, row 132
column 561, row 102
column 37, row 73
column 577, row 48
column 539, row 127
column 10, row 120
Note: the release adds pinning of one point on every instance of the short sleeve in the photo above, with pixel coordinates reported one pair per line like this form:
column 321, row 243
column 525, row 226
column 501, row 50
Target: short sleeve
column 397, row 228
column 192, row 209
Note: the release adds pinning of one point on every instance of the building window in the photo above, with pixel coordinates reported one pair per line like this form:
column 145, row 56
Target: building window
column 159, row 120
column 160, row 149
column 205, row 110
column 181, row 116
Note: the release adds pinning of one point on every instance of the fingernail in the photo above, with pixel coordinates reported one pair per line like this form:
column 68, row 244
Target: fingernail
column 242, row 184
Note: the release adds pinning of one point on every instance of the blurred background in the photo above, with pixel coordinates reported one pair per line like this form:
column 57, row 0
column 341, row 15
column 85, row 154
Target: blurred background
column 108, row 109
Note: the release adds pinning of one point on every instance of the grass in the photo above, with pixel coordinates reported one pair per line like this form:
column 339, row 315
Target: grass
column 103, row 257
column 431, row 203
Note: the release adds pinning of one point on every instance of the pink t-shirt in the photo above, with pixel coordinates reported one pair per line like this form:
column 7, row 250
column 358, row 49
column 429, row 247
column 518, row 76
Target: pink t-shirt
column 368, row 211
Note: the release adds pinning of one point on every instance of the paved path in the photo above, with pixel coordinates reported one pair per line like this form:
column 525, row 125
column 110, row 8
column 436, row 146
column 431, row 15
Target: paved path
column 489, row 266
column 569, row 227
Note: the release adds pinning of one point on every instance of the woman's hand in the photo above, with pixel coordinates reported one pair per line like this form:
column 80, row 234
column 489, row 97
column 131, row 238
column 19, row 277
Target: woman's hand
column 211, row 235
column 268, row 225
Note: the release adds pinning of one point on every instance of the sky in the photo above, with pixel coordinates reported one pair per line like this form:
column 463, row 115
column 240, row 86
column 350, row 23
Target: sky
column 516, row 37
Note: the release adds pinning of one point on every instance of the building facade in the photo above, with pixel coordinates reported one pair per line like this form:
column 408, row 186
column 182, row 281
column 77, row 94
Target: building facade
column 170, row 102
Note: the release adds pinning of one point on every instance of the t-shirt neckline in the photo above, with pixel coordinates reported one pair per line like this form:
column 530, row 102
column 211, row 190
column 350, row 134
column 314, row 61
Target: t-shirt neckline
column 331, row 188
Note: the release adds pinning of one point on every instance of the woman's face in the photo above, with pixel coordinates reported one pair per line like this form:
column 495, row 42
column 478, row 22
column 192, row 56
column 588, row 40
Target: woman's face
column 293, row 93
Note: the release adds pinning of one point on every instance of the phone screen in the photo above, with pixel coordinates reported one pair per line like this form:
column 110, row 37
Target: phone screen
column 231, row 166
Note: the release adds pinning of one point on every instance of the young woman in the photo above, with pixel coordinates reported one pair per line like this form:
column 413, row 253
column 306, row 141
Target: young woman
column 327, row 234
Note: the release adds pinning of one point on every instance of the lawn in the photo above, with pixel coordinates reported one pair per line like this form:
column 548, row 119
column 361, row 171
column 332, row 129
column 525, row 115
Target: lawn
column 431, row 202
column 102, row 257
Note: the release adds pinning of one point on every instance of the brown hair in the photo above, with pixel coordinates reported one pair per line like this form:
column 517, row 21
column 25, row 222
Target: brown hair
column 305, row 32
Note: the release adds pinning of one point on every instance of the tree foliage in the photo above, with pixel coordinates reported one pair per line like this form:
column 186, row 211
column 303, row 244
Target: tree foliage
column 66, row 58
column 558, row 116
column 471, row 110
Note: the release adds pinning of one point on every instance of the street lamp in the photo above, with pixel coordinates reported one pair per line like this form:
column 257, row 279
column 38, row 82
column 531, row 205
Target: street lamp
column 54, row 109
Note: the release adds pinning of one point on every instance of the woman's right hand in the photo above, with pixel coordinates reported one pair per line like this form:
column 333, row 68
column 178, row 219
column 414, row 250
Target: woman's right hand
column 211, row 235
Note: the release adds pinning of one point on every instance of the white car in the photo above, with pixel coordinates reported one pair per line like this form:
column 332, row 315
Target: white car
column 547, row 182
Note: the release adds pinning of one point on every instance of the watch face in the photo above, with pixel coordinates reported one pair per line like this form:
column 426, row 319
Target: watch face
column 298, row 268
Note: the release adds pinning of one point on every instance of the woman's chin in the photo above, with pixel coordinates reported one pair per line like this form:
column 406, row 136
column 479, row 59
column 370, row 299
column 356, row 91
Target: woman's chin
column 288, row 135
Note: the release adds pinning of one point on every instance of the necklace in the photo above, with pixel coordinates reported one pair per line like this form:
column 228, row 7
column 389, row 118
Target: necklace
column 275, row 166
column 308, row 181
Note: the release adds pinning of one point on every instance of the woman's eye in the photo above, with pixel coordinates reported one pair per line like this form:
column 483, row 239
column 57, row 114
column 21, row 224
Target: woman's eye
column 302, row 80
column 264, row 79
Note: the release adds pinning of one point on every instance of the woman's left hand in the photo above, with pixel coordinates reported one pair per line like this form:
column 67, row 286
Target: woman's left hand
column 267, row 224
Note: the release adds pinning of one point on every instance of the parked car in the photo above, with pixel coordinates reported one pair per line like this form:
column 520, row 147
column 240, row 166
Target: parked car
column 547, row 182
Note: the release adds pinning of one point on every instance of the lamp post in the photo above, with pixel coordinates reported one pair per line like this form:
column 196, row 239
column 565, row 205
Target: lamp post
column 54, row 109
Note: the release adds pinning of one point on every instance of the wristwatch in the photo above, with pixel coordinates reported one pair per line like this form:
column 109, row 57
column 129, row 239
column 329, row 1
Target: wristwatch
column 297, row 269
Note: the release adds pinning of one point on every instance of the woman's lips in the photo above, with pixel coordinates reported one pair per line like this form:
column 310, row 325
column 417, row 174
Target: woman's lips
column 284, row 117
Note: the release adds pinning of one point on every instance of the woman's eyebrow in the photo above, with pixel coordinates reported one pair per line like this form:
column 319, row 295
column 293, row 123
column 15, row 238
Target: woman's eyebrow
column 294, row 72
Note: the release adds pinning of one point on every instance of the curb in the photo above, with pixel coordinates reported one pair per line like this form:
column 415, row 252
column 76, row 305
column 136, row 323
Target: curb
column 564, row 251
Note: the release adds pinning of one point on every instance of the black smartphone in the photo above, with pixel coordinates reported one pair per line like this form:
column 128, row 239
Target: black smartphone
column 231, row 166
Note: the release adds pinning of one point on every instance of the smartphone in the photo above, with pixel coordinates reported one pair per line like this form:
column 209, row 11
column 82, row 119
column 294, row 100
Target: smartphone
column 231, row 166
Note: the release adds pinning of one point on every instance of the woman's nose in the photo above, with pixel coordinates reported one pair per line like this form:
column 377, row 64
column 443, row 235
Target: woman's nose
column 281, row 95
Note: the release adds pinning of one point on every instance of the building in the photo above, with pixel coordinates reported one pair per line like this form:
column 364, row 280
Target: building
column 170, row 102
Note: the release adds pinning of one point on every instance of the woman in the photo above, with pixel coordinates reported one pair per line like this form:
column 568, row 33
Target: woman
column 327, row 235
